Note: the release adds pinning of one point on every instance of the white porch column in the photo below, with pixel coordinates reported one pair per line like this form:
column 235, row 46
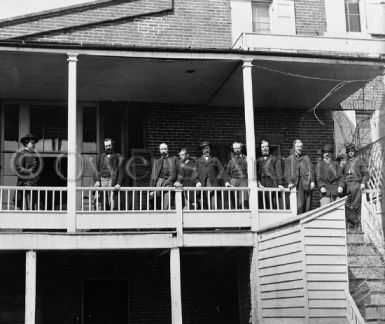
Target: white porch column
column 249, row 120
column 72, row 152
column 30, row 287
column 247, row 70
column 176, row 293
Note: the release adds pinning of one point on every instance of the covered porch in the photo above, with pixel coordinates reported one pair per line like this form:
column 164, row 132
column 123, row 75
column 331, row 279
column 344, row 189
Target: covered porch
column 168, row 84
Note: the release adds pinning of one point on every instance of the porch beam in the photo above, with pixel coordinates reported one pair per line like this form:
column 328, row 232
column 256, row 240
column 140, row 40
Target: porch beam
column 195, row 55
column 176, row 293
column 72, row 147
column 30, row 287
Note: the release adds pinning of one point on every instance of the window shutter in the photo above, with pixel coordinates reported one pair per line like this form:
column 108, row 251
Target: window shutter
column 376, row 17
column 283, row 17
column 335, row 17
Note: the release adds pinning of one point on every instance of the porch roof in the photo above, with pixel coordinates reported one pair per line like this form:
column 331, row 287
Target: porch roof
column 211, row 77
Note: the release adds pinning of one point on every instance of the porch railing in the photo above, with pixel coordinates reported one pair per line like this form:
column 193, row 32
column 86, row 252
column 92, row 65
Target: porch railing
column 41, row 199
column 145, row 207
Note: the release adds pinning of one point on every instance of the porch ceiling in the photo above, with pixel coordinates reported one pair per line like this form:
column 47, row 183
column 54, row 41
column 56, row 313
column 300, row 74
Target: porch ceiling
column 33, row 76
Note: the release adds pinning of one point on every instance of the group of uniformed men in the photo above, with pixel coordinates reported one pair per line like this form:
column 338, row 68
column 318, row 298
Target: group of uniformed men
column 334, row 179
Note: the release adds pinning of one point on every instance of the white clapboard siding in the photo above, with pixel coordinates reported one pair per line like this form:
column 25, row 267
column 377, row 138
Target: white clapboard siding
column 302, row 268
column 325, row 266
column 280, row 273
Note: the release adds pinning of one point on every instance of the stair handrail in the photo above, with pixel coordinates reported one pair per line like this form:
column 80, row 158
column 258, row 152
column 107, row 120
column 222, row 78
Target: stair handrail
column 371, row 223
column 353, row 315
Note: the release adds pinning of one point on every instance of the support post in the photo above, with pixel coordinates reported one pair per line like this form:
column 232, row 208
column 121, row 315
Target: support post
column 176, row 293
column 30, row 287
column 179, row 215
column 293, row 201
column 247, row 70
column 72, row 147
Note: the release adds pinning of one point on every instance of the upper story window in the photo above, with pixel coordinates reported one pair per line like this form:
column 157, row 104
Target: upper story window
column 261, row 17
column 352, row 13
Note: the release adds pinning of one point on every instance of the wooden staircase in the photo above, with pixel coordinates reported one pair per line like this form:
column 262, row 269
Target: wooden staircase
column 366, row 277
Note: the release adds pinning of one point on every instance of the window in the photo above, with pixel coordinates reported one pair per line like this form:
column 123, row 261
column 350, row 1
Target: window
column 352, row 13
column 49, row 124
column 363, row 129
column 11, row 127
column 89, row 129
column 261, row 17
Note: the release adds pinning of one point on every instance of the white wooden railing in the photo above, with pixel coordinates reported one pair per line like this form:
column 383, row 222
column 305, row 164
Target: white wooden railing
column 42, row 199
column 290, row 43
column 353, row 315
column 145, row 207
column 371, row 219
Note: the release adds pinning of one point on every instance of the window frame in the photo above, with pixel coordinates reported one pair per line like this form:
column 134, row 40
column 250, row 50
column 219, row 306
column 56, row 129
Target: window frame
column 266, row 3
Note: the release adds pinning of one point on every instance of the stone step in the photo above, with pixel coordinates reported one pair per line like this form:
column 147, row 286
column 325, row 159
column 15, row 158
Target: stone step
column 364, row 260
column 362, row 249
column 374, row 312
column 355, row 238
column 377, row 298
column 367, row 272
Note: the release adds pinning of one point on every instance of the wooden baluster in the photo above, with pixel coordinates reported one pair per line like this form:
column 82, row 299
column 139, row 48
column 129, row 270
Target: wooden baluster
column 38, row 199
column 23, row 204
column 222, row 199
column 8, row 202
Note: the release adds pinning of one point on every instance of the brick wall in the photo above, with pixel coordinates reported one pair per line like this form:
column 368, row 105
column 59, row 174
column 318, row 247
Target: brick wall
column 187, row 126
column 310, row 17
column 197, row 24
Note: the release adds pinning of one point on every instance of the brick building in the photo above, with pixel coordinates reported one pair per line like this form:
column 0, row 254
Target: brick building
column 175, row 71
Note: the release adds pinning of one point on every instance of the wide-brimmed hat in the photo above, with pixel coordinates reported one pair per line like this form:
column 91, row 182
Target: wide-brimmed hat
column 341, row 157
column 24, row 140
column 204, row 143
column 350, row 146
column 327, row 148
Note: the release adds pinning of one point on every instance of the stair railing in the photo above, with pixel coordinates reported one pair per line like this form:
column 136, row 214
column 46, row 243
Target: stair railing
column 353, row 315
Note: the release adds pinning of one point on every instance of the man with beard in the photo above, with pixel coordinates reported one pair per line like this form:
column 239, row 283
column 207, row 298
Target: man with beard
column 299, row 174
column 329, row 177
column 186, row 173
column 355, row 173
column 209, row 171
column 109, row 173
column 236, row 172
column 164, row 174
column 269, row 174
column 28, row 166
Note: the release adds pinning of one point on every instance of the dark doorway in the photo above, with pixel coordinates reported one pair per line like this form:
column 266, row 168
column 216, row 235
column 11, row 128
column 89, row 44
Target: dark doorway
column 105, row 302
column 53, row 174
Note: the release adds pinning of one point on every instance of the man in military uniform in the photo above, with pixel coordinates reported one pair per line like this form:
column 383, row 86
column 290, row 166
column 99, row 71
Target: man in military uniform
column 164, row 174
column 236, row 172
column 329, row 177
column 355, row 173
column 109, row 173
column 269, row 175
column 209, row 171
column 299, row 174
column 186, row 173
column 28, row 166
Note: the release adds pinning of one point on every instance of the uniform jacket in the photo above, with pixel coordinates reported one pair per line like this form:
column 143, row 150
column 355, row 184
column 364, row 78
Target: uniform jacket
column 329, row 176
column 211, row 169
column 355, row 170
column 237, row 167
column 117, row 168
column 156, row 168
column 269, row 171
column 27, row 166
column 299, row 169
column 187, row 172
